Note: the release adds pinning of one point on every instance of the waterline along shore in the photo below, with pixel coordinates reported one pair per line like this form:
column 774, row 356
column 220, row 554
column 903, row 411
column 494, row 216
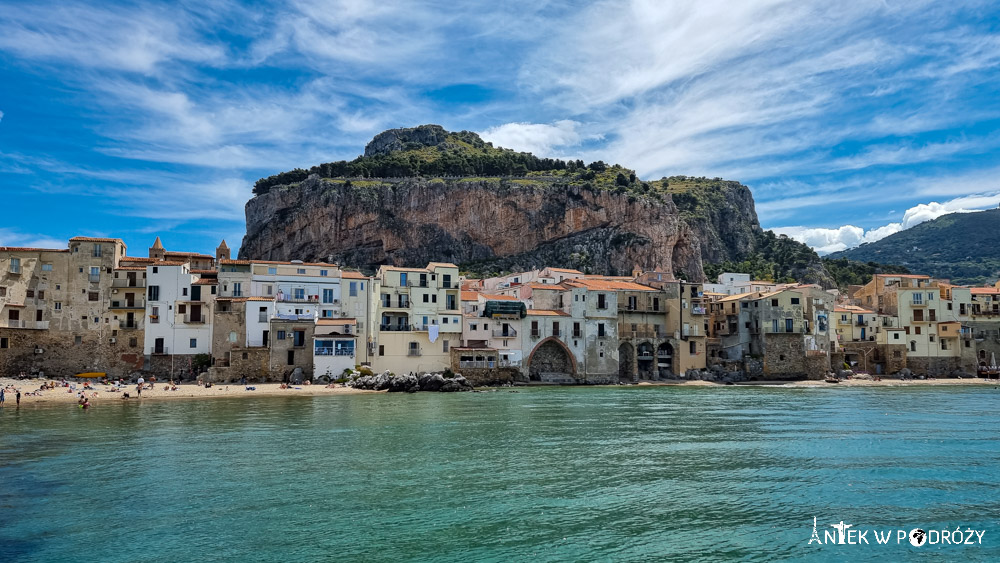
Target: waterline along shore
column 99, row 394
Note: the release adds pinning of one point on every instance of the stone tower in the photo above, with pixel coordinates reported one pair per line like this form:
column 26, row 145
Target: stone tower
column 222, row 252
column 157, row 251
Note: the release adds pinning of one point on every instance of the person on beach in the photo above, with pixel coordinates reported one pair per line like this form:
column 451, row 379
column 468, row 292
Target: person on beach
column 1, row 397
column 17, row 397
column 138, row 389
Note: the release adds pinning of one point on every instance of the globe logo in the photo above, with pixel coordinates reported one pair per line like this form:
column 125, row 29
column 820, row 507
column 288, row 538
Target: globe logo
column 918, row 537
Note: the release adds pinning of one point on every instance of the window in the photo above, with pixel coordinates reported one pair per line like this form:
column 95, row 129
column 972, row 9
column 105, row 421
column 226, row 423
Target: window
column 93, row 296
column 3, row 291
column 41, row 294
column 57, row 306
column 473, row 326
column 270, row 289
column 327, row 313
column 46, row 267
column 601, row 301
column 576, row 330
column 444, row 345
column 327, row 296
column 744, row 304
column 913, row 346
column 154, row 293
column 895, row 335
column 4, row 343
column 272, row 271
column 774, row 325
column 896, row 353
column 444, row 320
column 97, row 251
column 427, row 298
column 555, row 329
column 182, row 308
column 534, row 328
column 95, row 274
column 232, row 336
column 299, row 293
column 353, row 289
column 29, row 293
column 194, row 343
column 299, row 338
column 281, row 335
column 291, row 357
column 15, row 265
column 916, row 330
column 13, row 314
column 237, row 289
column 184, row 291
column 381, row 350
column 324, row 273
column 133, row 342
column 795, row 300
column 600, row 330
column 156, row 270
column 300, row 270
column 774, row 302
column 918, row 299
column 77, row 340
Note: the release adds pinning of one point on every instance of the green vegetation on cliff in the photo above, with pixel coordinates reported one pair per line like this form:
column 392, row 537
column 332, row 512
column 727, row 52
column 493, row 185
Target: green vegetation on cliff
column 961, row 247
column 777, row 258
column 851, row 272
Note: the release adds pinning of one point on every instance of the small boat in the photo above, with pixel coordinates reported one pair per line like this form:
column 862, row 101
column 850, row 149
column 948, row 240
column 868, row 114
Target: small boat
column 92, row 374
column 832, row 380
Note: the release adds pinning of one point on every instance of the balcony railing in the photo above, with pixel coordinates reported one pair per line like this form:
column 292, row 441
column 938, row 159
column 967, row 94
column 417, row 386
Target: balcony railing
column 921, row 320
column 140, row 304
column 304, row 299
column 335, row 352
column 918, row 303
column 126, row 325
column 417, row 283
column 94, row 278
column 124, row 282
column 402, row 305
column 13, row 323
column 509, row 363
column 161, row 351
column 395, row 328
column 624, row 308
column 473, row 364
column 509, row 333
column 413, row 352
column 194, row 319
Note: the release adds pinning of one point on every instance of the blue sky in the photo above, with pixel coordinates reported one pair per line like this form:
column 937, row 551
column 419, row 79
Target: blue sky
column 848, row 120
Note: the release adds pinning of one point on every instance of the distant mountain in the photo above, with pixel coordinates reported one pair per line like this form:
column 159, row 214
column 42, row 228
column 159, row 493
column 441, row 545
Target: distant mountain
column 962, row 247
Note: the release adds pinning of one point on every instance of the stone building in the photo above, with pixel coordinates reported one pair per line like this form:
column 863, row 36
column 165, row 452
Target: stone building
column 790, row 331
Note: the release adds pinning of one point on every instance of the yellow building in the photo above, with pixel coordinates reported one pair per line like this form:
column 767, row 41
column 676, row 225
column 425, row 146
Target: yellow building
column 419, row 317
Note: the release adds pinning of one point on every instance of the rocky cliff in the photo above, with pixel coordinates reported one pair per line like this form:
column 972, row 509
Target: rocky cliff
column 424, row 194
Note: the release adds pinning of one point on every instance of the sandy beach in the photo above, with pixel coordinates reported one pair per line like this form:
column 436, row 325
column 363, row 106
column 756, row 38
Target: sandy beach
column 104, row 393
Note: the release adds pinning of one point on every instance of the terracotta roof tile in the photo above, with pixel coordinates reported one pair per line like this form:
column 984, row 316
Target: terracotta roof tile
column 470, row 296
column 336, row 322
column 608, row 285
column 565, row 270
column 353, row 275
column 27, row 249
column 96, row 239
column 206, row 281
column 500, row 297
column 546, row 313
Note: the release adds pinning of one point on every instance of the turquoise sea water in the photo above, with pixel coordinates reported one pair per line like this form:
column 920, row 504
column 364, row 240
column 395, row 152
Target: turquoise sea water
column 559, row 474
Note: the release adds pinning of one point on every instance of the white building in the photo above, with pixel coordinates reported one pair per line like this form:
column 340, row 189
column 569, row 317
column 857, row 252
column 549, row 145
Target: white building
column 178, row 311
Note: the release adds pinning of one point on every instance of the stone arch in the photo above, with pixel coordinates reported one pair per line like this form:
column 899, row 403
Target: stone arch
column 551, row 356
column 646, row 359
column 626, row 362
column 665, row 359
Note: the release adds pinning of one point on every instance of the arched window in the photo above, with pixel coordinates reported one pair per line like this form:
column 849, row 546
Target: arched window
column 913, row 346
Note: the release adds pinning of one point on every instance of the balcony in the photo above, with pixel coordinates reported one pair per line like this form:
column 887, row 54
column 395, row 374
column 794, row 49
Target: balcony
column 916, row 319
column 624, row 308
column 509, row 363
column 509, row 333
column 400, row 305
column 123, row 282
column 126, row 325
column 194, row 319
column 94, row 278
column 395, row 328
column 556, row 332
column 638, row 333
column 536, row 334
column 161, row 351
column 918, row 303
column 140, row 304
column 14, row 323
column 417, row 283
column 691, row 331
column 697, row 310
column 413, row 352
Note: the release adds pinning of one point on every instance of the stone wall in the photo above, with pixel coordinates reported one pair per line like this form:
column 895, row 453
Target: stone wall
column 785, row 356
column 934, row 367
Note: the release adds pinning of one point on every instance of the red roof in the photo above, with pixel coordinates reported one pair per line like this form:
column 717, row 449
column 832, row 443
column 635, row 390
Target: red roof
column 26, row 249
column 546, row 313
column 607, row 285
column 93, row 239
column 353, row 275
column 500, row 298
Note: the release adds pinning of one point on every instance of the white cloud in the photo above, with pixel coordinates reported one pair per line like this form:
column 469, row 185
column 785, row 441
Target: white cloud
column 539, row 139
column 825, row 240
column 10, row 237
